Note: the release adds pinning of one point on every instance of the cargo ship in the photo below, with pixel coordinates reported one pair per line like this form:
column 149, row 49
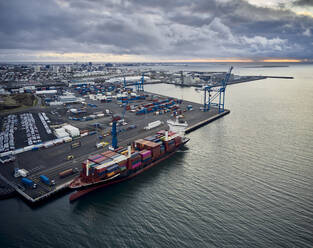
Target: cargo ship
column 116, row 166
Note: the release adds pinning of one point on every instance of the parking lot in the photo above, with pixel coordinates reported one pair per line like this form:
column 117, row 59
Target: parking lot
column 24, row 129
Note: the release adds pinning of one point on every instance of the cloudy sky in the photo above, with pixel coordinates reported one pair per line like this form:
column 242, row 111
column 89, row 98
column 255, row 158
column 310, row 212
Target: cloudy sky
column 156, row 30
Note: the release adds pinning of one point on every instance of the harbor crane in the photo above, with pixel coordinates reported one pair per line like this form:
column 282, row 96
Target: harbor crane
column 214, row 95
column 115, row 119
column 125, row 84
column 140, row 83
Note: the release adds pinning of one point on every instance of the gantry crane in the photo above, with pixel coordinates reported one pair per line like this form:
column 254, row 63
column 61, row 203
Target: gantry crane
column 115, row 118
column 125, row 84
column 213, row 93
column 140, row 83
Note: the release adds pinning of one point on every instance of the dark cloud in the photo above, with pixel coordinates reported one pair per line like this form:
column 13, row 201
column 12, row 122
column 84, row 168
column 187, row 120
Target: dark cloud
column 162, row 29
column 303, row 3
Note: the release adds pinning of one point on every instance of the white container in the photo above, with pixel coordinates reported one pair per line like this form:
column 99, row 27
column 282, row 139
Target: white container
column 6, row 153
column 67, row 139
column 153, row 125
column 28, row 148
column 17, row 151
column 48, row 144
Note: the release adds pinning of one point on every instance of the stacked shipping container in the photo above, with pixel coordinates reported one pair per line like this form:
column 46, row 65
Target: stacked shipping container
column 110, row 163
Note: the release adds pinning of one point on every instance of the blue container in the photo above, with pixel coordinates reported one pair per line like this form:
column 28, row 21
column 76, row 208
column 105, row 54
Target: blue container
column 112, row 168
column 102, row 173
column 27, row 182
column 44, row 179
column 106, row 161
column 146, row 160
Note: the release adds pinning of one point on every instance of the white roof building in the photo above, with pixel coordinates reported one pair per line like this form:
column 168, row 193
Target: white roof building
column 71, row 130
column 45, row 92
column 60, row 133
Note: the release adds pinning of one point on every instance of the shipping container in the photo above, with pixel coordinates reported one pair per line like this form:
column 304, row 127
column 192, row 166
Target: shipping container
column 145, row 154
column 29, row 183
column 111, row 174
column 137, row 165
column 114, row 167
column 68, row 172
column 46, row 180
column 75, row 144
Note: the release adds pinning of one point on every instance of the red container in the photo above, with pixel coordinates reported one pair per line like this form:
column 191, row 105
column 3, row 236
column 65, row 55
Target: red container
column 119, row 149
column 140, row 144
column 97, row 158
column 108, row 154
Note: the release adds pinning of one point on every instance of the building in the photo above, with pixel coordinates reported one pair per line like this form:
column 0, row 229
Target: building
column 68, row 68
column 71, row 130
column 60, row 133
column 68, row 99
column 56, row 69
column 45, row 92
column 4, row 92
column 37, row 68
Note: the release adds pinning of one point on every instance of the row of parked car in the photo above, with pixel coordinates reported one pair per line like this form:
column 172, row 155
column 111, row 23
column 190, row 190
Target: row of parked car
column 7, row 135
column 44, row 119
column 29, row 125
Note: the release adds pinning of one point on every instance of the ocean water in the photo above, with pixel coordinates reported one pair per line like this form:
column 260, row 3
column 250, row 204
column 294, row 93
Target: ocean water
column 246, row 180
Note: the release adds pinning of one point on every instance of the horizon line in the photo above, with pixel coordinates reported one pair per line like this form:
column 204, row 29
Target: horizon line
column 176, row 61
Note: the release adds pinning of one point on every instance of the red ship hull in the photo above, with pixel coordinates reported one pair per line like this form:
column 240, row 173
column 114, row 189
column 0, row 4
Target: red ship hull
column 85, row 191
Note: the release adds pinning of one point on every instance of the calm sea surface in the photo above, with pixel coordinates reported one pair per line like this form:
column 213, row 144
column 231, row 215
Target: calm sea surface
column 245, row 181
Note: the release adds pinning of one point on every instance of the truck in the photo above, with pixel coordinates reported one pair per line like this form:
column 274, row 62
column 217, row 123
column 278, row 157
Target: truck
column 76, row 144
column 70, row 157
column 46, row 180
column 101, row 144
column 68, row 172
column 29, row 183
column 20, row 173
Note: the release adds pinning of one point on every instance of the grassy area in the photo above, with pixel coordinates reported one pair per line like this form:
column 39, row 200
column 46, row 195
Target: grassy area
column 35, row 102
column 17, row 102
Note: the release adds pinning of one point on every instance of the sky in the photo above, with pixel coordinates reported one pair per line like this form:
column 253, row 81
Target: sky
column 156, row 30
